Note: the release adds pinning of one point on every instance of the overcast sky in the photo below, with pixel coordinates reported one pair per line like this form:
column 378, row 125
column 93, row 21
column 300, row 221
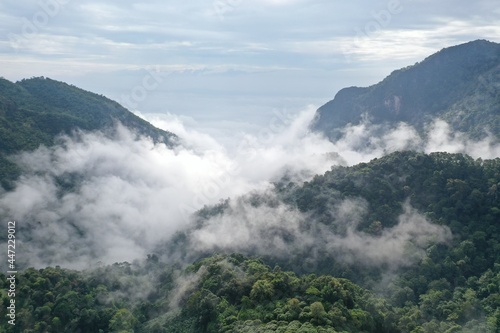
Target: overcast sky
column 227, row 62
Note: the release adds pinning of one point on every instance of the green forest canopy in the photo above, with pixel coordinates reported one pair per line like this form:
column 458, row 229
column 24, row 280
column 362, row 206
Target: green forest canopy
column 453, row 288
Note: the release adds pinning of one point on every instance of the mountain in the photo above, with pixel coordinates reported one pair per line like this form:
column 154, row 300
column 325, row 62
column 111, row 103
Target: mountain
column 459, row 84
column 35, row 111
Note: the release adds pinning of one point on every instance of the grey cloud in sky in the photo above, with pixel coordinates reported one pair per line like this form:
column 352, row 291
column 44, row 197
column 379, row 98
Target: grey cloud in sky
column 178, row 30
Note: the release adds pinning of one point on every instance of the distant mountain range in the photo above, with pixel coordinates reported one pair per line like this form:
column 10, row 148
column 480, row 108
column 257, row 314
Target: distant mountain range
column 34, row 111
column 459, row 84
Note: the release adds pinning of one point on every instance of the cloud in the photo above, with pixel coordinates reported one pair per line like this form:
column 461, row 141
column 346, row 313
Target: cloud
column 126, row 196
column 94, row 198
column 379, row 41
column 285, row 143
column 260, row 224
column 263, row 33
column 401, row 245
column 261, row 229
column 366, row 141
column 111, row 198
column 278, row 2
column 272, row 228
column 442, row 138
column 184, row 286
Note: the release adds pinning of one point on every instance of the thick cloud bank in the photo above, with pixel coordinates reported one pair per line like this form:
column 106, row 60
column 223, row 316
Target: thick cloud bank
column 93, row 198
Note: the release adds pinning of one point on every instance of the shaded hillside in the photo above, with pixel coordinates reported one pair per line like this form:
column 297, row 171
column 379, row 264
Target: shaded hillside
column 34, row 111
column 459, row 84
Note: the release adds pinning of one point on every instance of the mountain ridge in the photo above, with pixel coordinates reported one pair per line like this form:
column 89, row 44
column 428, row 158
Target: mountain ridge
column 35, row 111
column 458, row 84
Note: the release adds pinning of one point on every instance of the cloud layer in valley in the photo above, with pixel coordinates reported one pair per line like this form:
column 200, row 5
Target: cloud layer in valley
column 94, row 198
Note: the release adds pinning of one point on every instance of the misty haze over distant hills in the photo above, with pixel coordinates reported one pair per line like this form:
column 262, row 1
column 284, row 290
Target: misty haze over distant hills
column 448, row 102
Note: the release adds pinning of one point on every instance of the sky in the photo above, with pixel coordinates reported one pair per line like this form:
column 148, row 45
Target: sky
column 226, row 66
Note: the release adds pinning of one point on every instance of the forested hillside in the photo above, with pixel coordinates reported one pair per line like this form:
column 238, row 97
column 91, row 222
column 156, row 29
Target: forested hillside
column 35, row 111
column 454, row 283
column 436, row 262
column 434, row 285
column 217, row 294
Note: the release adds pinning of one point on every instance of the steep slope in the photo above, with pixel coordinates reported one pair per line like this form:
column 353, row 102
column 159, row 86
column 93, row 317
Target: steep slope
column 459, row 84
column 34, row 111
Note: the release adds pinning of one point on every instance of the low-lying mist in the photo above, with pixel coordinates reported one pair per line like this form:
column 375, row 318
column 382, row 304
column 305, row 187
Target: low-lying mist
column 281, row 231
column 93, row 198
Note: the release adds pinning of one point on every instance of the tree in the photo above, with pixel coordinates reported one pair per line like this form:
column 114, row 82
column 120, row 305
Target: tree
column 318, row 313
column 262, row 290
column 122, row 322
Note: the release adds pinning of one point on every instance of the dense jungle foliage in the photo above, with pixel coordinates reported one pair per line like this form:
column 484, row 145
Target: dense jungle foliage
column 454, row 287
